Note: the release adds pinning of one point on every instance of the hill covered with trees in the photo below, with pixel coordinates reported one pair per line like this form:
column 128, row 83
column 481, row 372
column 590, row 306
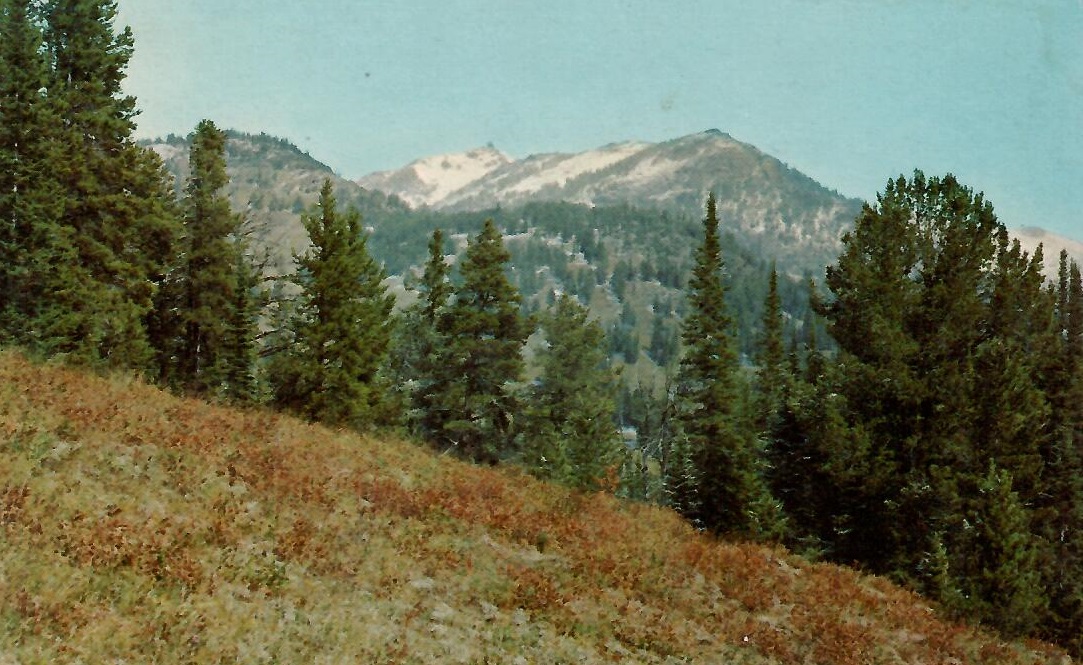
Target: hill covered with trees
column 916, row 415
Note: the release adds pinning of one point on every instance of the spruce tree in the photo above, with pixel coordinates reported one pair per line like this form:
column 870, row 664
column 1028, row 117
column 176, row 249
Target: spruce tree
column 38, row 273
column 436, row 286
column 417, row 344
column 213, row 264
column 1001, row 586
column 342, row 327
column 771, row 374
column 241, row 346
column 117, row 198
column 940, row 321
column 730, row 494
column 1059, row 511
column 570, row 434
column 474, row 403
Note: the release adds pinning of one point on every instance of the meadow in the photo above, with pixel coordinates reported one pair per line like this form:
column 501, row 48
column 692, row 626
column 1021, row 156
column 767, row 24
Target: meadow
column 137, row 526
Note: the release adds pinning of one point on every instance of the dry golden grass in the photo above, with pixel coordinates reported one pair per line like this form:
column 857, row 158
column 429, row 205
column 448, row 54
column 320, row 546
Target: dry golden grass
column 140, row 527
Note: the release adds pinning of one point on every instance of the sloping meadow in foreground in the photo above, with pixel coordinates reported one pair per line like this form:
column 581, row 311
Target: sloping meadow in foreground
column 136, row 526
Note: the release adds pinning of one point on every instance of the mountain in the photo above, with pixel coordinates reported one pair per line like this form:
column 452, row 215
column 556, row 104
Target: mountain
column 427, row 182
column 272, row 182
column 1052, row 244
column 629, row 263
column 771, row 208
column 141, row 527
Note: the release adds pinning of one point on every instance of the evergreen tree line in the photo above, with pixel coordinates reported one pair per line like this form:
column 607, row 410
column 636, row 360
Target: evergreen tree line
column 104, row 265
column 88, row 220
column 941, row 446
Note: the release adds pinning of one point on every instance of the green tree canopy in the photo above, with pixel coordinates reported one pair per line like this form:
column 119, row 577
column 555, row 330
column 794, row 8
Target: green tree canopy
column 118, row 201
column 474, row 405
column 731, row 495
column 342, row 326
column 213, row 266
column 571, row 435
column 941, row 322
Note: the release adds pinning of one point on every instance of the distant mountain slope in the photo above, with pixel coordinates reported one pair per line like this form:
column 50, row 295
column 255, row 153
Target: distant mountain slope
column 1030, row 237
column 272, row 182
column 140, row 527
column 628, row 263
column 428, row 181
column 771, row 208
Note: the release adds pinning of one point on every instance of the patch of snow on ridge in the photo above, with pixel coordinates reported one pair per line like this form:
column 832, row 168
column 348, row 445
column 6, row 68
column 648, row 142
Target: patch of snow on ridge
column 653, row 169
column 573, row 166
column 449, row 173
column 434, row 178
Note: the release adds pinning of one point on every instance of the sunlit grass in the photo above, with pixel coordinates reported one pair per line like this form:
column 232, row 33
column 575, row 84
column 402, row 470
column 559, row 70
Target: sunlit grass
column 140, row 527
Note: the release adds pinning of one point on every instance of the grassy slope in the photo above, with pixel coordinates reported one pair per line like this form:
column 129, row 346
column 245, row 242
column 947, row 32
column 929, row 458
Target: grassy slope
column 137, row 527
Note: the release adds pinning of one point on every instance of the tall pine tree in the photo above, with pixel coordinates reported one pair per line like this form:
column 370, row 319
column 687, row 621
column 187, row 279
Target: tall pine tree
column 39, row 276
column 416, row 347
column 474, row 404
column 1059, row 512
column 210, row 330
column 341, row 329
column 118, row 206
column 772, row 373
column 731, row 493
column 938, row 318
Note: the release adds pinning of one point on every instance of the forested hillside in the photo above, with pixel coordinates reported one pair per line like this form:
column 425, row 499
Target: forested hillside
column 773, row 209
column 627, row 264
column 916, row 414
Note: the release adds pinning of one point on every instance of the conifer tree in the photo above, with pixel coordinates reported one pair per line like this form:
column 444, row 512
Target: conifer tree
column 240, row 347
column 1001, row 585
column 474, row 405
column 118, row 206
column 209, row 346
column 417, row 344
column 37, row 269
column 731, row 494
column 436, row 286
column 771, row 375
column 1059, row 511
column 571, row 435
column 341, row 329
column 799, row 421
column 939, row 320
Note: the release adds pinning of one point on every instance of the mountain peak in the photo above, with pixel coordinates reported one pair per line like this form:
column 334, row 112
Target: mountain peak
column 771, row 207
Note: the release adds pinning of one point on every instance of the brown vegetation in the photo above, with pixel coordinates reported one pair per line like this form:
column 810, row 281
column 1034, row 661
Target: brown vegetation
column 143, row 527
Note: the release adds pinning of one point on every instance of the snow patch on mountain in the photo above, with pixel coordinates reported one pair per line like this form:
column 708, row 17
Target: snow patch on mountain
column 568, row 167
column 653, row 169
column 428, row 181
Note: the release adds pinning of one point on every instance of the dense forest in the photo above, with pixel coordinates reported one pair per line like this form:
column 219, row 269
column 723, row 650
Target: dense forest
column 933, row 435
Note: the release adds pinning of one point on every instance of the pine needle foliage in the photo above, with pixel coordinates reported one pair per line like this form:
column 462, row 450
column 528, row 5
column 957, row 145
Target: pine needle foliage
column 475, row 405
column 340, row 332
column 570, row 433
column 118, row 202
column 731, row 495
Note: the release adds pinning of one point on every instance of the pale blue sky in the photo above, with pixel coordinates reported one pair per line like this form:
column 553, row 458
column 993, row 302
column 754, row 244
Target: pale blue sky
column 852, row 92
